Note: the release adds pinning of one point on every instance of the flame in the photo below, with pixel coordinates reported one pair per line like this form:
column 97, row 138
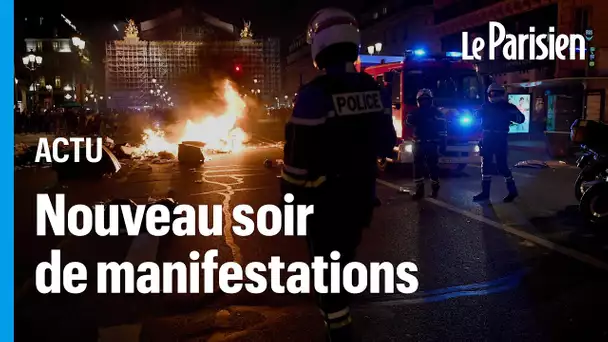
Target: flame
column 218, row 132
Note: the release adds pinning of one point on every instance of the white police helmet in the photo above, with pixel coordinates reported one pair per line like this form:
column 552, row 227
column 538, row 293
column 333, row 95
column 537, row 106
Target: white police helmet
column 424, row 93
column 331, row 26
column 496, row 92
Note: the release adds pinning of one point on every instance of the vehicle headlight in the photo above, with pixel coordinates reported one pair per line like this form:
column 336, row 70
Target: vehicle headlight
column 409, row 148
column 476, row 149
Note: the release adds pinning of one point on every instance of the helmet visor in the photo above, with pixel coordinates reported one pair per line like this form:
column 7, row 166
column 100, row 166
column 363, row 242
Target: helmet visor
column 315, row 27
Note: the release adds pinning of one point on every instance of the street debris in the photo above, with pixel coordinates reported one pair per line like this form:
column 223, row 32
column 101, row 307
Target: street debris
column 404, row 190
column 108, row 165
column 268, row 163
column 532, row 164
column 190, row 154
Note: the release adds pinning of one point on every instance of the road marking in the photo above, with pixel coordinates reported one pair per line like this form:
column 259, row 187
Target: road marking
column 232, row 170
column 238, row 175
column 585, row 258
column 234, row 190
column 227, row 193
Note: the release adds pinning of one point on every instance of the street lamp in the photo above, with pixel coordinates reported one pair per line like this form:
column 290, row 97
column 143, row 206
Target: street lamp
column 370, row 49
column 154, row 80
column 378, row 47
column 32, row 61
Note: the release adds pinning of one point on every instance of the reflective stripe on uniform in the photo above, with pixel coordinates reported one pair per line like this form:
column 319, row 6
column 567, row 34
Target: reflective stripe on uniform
column 337, row 319
column 509, row 179
column 307, row 122
column 303, row 183
column 338, row 314
column 295, row 170
column 418, row 180
column 340, row 324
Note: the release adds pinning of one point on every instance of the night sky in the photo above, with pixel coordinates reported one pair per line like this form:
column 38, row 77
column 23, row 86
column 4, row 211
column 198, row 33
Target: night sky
column 282, row 18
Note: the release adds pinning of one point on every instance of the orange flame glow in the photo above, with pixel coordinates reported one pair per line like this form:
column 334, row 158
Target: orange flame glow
column 219, row 132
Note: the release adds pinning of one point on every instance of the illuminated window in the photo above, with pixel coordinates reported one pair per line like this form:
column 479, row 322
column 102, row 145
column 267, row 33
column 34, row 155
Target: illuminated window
column 57, row 82
column 375, row 16
column 39, row 46
column 42, row 81
column 55, row 46
column 384, row 10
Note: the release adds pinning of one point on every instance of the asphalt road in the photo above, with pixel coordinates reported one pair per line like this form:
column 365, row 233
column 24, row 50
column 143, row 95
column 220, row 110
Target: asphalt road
column 527, row 271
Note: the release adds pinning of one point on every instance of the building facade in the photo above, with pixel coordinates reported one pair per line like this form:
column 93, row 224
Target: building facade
column 398, row 26
column 176, row 46
column 299, row 68
column 574, row 83
column 54, row 65
column 567, row 16
column 395, row 25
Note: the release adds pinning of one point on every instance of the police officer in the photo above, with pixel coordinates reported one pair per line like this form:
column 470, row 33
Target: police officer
column 496, row 117
column 339, row 126
column 430, row 133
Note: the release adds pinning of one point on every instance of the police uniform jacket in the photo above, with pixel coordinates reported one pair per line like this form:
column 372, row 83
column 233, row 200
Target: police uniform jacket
column 428, row 123
column 497, row 117
column 341, row 123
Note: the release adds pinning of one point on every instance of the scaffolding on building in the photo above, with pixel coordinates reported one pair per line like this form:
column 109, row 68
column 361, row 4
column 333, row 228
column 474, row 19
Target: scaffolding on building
column 133, row 65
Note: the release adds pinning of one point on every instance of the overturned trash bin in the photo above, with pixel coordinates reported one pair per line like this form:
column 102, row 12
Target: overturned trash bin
column 108, row 164
column 190, row 152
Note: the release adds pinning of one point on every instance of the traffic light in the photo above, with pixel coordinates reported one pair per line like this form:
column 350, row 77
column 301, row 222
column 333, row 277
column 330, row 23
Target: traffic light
column 237, row 68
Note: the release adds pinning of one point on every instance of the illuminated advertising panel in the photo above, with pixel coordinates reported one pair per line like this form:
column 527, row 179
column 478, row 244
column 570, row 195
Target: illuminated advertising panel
column 522, row 102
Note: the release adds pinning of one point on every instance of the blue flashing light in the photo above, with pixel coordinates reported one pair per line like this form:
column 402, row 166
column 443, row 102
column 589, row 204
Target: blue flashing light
column 454, row 54
column 466, row 120
column 419, row 52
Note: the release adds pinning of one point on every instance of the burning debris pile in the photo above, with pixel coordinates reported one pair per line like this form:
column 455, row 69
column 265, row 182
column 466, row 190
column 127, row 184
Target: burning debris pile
column 216, row 132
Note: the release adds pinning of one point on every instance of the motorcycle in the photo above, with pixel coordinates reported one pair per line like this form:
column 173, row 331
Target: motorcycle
column 594, row 203
column 590, row 135
column 593, row 166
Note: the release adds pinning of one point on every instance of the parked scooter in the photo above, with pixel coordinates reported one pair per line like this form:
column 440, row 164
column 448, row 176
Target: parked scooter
column 592, row 183
column 593, row 166
column 594, row 203
column 590, row 135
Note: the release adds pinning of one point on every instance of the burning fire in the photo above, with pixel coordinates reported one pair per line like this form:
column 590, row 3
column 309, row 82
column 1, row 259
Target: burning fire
column 219, row 132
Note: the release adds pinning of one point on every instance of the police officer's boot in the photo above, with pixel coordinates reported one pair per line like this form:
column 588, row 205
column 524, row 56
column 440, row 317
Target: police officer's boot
column 434, row 189
column 419, row 194
column 484, row 195
column 512, row 190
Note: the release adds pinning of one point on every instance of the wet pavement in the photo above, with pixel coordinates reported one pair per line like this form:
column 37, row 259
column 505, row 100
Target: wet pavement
column 522, row 271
